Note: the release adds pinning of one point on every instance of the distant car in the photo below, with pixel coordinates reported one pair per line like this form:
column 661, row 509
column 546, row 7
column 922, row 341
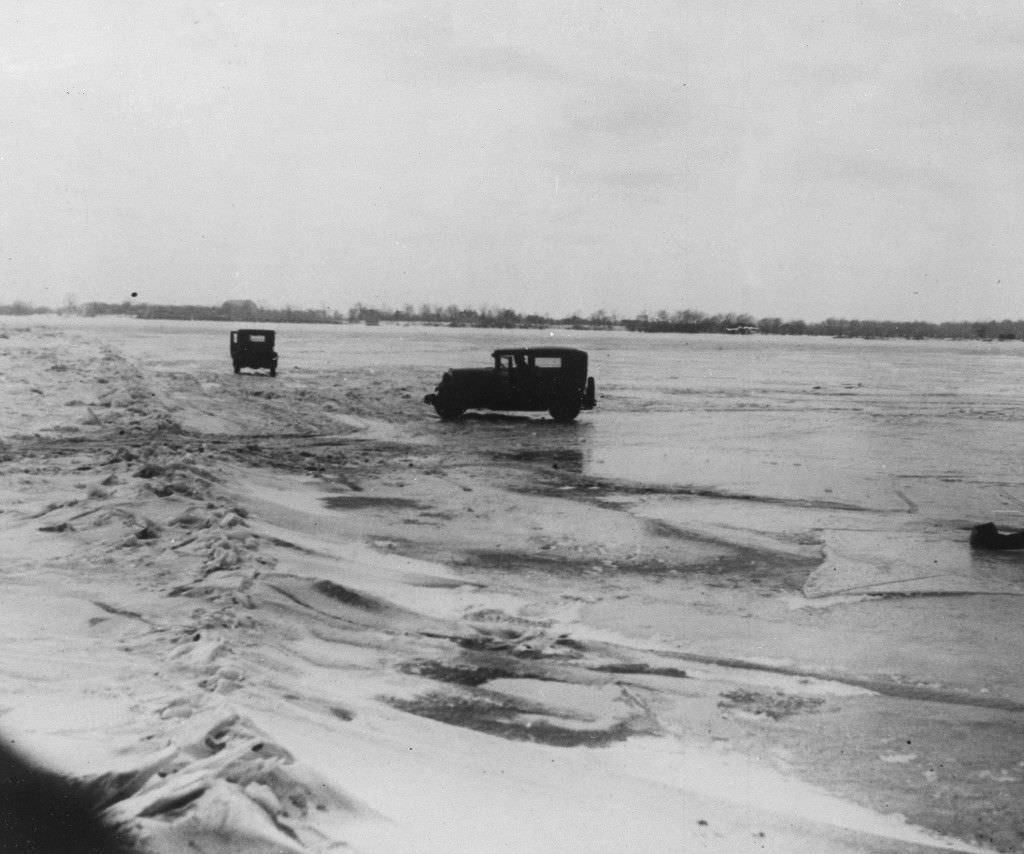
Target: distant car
column 253, row 348
column 531, row 379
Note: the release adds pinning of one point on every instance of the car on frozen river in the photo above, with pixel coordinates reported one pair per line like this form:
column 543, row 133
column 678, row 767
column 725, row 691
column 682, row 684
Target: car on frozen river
column 253, row 348
column 531, row 379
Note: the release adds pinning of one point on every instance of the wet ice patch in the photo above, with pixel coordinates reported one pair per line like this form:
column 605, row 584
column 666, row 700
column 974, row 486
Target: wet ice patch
column 547, row 712
column 904, row 563
column 775, row 706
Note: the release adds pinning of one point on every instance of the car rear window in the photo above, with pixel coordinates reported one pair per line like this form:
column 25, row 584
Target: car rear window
column 548, row 361
column 257, row 337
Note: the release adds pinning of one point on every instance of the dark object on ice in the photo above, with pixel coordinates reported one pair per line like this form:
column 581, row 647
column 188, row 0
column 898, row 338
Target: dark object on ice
column 531, row 379
column 43, row 813
column 986, row 536
column 253, row 348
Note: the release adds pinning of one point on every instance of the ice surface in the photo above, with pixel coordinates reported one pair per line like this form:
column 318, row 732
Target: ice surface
column 197, row 603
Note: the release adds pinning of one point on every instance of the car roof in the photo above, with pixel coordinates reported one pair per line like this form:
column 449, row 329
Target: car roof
column 255, row 331
column 539, row 351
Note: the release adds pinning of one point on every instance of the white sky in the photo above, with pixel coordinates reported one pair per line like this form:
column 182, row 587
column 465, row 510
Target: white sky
column 804, row 158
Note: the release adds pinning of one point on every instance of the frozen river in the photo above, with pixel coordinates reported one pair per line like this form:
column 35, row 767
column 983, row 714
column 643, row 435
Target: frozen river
column 889, row 425
column 916, row 439
column 884, row 452
column 772, row 514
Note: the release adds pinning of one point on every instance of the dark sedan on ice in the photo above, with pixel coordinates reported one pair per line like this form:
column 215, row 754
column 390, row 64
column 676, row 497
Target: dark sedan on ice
column 530, row 379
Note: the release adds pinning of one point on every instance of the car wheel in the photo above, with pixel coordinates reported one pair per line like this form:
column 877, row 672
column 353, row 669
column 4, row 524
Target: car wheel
column 237, row 367
column 273, row 372
column 565, row 412
column 447, row 413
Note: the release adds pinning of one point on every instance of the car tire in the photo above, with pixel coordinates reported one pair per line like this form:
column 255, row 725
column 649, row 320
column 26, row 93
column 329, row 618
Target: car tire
column 237, row 367
column 273, row 372
column 447, row 413
column 565, row 412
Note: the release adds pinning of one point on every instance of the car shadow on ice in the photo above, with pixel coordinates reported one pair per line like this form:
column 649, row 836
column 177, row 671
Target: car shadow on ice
column 504, row 418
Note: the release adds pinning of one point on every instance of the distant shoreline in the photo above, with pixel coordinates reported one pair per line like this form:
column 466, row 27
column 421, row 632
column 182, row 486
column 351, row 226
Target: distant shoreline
column 248, row 313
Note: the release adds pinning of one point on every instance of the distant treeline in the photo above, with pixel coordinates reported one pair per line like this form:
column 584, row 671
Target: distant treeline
column 247, row 311
column 695, row 321
column 241, row 310
column 19, row 308
column 690, row 321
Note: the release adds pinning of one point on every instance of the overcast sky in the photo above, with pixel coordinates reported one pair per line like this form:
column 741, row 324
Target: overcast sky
column 803, row 158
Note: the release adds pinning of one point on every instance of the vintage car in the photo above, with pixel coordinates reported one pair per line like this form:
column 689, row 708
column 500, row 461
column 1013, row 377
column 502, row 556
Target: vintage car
column 253, row 348
column 532, row 379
